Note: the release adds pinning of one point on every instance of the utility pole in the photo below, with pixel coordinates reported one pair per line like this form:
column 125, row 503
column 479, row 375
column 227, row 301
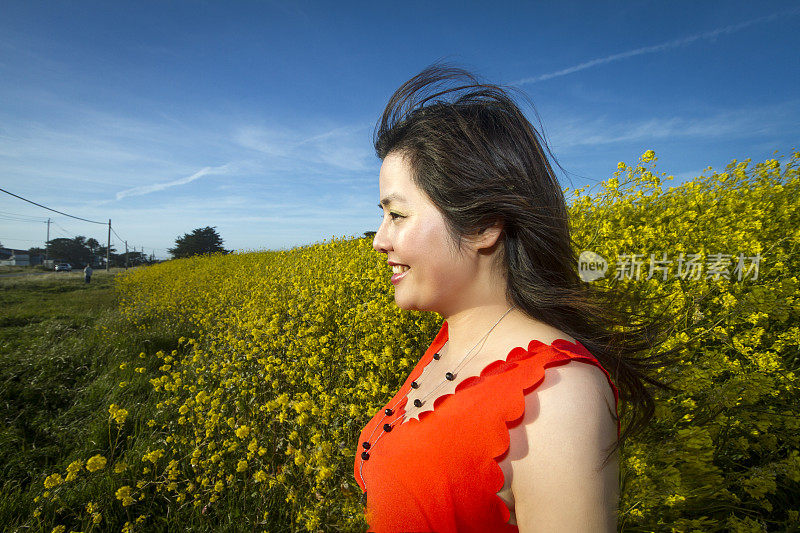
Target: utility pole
column 126, row 255
column 108, row 246
column 47, row 242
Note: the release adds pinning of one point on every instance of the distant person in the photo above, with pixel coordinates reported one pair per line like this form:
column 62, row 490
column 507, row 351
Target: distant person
column 87, row 273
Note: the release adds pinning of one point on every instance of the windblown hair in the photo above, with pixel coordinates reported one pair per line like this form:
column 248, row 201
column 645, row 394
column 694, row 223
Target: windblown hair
column 480, row 161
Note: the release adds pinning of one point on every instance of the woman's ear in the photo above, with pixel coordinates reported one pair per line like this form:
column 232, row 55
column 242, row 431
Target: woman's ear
column 488, row 236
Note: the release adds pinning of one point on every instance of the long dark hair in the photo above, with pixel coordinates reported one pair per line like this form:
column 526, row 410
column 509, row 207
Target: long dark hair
column 480, row 161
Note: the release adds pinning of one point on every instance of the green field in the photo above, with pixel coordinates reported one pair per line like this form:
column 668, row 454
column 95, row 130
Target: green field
column 61, row 344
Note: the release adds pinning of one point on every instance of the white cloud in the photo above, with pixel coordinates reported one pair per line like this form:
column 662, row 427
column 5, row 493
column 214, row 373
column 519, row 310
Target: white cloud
column 342, row 148
column 155, row 187
column 759, row 121
column 655, row 48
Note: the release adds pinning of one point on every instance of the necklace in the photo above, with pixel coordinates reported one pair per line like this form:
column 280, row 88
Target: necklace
column 449, row 376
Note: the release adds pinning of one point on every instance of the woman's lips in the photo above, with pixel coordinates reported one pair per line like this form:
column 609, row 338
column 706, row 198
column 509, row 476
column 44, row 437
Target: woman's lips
column 397, row 277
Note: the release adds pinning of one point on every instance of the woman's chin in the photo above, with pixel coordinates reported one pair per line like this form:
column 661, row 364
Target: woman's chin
column 409, row 305
column 405, row 304
column 405, row 307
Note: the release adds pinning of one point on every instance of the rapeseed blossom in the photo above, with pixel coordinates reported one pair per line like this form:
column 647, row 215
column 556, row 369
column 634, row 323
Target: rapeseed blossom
column 95, row 463
column 73, row 469
column 117, row 413
column 287, row 358
column 53, row 480
column 124, row 495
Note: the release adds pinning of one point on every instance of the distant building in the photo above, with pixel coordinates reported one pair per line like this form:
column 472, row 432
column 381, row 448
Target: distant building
column 16, row 259
column 11, row 257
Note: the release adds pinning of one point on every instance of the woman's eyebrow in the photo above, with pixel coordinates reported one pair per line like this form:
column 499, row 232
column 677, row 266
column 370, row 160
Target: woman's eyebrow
column 389, row 198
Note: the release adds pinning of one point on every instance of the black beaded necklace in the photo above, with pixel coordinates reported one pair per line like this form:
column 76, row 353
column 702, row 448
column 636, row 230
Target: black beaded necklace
column 449, row 376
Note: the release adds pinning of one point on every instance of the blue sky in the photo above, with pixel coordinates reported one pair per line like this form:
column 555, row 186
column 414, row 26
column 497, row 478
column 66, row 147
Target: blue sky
column 257, row 116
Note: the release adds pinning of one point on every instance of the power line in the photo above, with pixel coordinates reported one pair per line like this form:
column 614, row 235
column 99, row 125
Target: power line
column 19, row 219
column 53, row 210
column 65, row 235
column 117, row 234
column 28, row 217
column 60, row 226
column 42, row 220
column 24, row 240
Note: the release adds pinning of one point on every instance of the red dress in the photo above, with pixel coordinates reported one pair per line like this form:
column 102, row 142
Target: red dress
column 440, row 472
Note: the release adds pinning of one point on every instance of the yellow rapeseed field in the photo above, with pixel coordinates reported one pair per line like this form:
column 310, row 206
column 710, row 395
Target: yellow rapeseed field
column 256, row 414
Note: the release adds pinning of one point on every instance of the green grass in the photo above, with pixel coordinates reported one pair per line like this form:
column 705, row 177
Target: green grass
column 45, row 299
column 61, row 344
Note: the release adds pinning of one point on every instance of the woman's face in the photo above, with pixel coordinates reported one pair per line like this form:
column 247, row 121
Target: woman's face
column 428, row 271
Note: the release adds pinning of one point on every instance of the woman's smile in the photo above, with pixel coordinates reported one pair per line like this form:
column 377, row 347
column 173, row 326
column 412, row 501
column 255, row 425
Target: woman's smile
column 399, row 272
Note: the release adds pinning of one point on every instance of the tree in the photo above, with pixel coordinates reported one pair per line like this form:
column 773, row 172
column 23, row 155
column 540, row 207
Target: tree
column 199, row 241
column 73, row 251
column 100, row 256
column 76, row 251
column 92, row 244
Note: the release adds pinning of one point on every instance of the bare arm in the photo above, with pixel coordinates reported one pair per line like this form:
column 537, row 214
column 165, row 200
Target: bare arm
column 559, row 485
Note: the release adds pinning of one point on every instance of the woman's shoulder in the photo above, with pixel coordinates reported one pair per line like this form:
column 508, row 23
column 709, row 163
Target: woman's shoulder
column 524, row 330
column 579, row 389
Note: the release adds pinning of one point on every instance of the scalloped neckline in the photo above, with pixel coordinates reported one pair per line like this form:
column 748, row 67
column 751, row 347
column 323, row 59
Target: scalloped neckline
column 470, row 381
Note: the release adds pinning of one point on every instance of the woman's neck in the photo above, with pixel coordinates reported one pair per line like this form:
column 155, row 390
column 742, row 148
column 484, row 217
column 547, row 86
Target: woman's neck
column 468, row 327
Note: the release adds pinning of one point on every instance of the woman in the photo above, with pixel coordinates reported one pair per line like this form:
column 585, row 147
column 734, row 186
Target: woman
column 509, row 421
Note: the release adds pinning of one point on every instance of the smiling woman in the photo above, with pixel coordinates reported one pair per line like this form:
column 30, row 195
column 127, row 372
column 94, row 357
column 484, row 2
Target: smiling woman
column 509, row 421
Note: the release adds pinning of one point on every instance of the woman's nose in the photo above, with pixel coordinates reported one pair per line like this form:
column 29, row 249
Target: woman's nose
column 380, row 242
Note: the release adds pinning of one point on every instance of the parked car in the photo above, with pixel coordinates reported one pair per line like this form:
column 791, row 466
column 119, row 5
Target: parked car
column 63, row 267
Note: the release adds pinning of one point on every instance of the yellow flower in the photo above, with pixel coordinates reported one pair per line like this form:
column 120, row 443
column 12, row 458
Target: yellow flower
column 153, row 456
column 674, row 499
column 242, row 432
column 124, row 494
column 260, row 476
column 648, row 156
column 117, row 413
column 53, row 480
column 95, row 463
column 58, row 529
column 73, row 469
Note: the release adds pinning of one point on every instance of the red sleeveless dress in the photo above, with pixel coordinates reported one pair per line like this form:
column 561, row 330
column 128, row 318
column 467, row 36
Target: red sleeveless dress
column 440, row 472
